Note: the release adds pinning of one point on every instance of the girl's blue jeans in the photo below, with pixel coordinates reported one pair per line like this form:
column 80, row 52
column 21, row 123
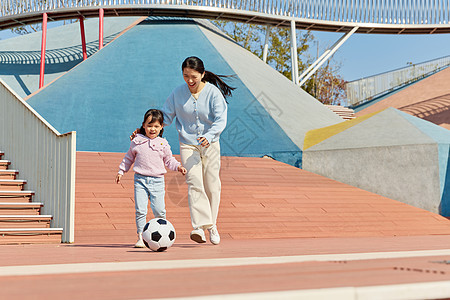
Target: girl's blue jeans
column 145, row 188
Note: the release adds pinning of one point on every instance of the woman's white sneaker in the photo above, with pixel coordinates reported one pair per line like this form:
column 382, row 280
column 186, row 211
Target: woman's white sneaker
column 214, row 236
column 198, row 235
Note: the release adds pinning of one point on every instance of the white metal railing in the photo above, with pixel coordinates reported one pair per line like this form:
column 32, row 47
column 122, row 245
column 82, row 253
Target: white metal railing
column 359, row 11
column 365, row 89
column 43, row 156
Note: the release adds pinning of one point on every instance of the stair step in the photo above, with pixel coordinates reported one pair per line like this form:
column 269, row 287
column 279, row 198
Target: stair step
column 4, row 164
column 25, row 221
column 16, row 196
column 30, row 235
column 29, row 208
column 8, row 174
column 12, row 185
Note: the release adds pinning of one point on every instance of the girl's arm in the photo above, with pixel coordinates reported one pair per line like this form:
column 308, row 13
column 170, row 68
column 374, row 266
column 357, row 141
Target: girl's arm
column 127, row 161
column 169, row 161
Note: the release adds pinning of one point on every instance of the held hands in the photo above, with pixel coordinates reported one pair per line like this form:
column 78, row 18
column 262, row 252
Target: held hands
column 182, row 170
column 118, row 177
column 203, row 142
column 133, row 135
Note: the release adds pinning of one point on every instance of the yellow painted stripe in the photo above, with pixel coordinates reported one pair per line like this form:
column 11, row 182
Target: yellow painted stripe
column 315, row 136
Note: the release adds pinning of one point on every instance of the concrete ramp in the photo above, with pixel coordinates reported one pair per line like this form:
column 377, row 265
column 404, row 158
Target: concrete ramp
column 428, row 99
column 261, row 199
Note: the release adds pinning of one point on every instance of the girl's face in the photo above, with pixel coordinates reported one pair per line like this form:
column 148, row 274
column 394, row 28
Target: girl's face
column 193, row 79
column 152, row 129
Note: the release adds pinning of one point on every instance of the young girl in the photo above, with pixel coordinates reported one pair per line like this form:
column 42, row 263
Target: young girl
column 150, row 153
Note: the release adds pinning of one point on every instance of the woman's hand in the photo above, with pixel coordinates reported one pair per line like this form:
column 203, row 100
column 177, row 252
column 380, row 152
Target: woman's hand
column 182, row 170
column 118, row 177
column 203, row 142
column 133, row 135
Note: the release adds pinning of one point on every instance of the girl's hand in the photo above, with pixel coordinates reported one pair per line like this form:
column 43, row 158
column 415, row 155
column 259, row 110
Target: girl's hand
column 203, row 141
column 118, row 177
column 132, row 136
column 182, row 170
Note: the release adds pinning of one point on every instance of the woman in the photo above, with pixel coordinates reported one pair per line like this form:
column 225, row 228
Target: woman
column 200, row 110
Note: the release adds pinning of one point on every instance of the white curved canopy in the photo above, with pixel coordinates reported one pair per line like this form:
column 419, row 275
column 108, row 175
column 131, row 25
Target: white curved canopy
column 370, row 16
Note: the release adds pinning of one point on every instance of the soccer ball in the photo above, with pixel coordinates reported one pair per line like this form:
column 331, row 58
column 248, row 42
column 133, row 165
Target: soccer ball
column 158, row 234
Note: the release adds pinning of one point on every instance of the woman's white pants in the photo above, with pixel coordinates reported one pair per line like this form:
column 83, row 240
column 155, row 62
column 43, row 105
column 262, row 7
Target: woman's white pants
column 204, row 186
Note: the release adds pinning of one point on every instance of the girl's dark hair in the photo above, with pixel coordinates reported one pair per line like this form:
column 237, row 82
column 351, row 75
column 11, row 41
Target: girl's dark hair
column 196, row 64
column 156, row 115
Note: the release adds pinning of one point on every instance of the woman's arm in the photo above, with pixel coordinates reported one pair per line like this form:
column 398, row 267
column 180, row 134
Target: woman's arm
column 219, row 110
column 169, row 109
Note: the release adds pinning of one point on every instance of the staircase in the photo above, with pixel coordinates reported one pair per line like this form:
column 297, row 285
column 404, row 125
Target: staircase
column 21, row 221
column 344, row 112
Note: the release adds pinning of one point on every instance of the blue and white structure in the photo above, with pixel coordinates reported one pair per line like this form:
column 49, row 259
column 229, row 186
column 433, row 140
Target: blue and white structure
column 104, row 98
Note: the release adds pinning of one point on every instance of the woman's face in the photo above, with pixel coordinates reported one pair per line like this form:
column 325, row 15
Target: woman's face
column 193, row 79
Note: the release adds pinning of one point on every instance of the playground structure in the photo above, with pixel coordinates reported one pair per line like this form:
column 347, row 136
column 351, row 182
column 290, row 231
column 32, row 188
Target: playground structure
column 348, row 16
column 388, row 18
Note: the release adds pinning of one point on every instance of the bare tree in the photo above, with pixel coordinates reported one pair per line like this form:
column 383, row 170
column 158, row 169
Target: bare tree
column 326, row 85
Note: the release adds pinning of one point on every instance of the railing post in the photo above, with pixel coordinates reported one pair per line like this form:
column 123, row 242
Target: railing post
column 43, row 46
column 83, row 37
column 100, row 28
column 324, row 57
column 266, row 44
column 294, row 55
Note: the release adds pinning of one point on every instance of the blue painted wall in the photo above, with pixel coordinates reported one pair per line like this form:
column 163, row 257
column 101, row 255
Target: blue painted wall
column 445, row 200
column 105, row 97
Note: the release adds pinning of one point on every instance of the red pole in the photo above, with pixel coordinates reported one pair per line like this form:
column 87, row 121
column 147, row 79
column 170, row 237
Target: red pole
column 100, row 29
column 43, row 46
column 83, row 38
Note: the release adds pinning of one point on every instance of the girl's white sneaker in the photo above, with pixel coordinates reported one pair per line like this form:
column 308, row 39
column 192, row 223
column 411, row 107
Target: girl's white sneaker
column 140, row 242
column 214, row 236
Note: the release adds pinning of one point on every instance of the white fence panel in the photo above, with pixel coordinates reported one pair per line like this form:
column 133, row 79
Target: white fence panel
column 43, row 156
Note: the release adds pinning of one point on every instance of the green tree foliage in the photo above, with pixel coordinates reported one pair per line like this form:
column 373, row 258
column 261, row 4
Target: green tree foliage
column 326, row 85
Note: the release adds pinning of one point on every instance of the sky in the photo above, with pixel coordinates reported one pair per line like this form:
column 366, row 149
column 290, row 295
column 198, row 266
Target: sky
column 364, row 55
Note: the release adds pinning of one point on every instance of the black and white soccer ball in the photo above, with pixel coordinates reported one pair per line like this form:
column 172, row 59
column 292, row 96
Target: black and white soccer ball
column 158, row 234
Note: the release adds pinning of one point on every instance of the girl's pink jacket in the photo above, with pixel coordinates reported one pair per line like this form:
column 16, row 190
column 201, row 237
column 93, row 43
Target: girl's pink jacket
column 149, row 157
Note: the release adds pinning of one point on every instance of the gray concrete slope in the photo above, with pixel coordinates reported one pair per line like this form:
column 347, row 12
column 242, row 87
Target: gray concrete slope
column 383, row 129
column 386, row 155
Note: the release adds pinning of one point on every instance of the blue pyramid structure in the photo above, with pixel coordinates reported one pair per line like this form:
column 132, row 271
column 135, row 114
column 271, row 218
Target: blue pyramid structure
column 105, row 97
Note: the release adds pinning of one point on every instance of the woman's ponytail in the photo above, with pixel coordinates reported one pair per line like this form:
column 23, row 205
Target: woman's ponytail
column 219, row 83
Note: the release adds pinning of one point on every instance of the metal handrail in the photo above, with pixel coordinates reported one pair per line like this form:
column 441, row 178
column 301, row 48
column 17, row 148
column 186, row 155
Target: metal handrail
column 403, row 16
column 365, row 89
